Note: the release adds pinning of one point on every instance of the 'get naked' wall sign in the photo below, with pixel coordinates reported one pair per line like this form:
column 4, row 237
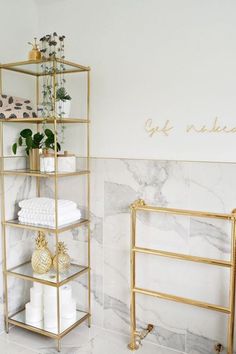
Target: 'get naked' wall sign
column 167, row 128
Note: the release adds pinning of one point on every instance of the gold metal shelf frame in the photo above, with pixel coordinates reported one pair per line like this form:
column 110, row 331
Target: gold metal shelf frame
column 139, row 205
column 33, row 68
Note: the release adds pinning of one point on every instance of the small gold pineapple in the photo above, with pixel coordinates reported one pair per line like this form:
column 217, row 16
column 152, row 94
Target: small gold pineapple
column 63, row 258
column 41, row 258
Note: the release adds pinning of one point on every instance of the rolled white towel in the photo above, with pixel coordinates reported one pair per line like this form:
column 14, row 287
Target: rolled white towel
column 47, row 204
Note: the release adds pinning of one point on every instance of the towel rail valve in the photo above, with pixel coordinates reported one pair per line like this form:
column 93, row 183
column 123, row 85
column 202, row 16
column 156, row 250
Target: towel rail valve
column 219, row 348
column 139, row 336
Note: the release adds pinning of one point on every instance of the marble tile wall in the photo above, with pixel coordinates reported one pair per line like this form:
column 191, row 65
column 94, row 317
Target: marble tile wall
column 190, row 185
column 115, row 183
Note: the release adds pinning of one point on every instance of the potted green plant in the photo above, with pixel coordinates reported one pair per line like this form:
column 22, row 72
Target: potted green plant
column 62, row 103
column 33, row 143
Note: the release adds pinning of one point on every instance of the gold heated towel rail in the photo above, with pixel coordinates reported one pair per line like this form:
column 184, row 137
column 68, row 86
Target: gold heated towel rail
column 230, row 310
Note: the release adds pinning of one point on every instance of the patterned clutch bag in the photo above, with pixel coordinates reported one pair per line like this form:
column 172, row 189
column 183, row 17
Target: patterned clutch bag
column 16, row 107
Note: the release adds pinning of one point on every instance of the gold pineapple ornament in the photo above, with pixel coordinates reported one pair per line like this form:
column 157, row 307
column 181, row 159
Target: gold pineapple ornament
column 63, row 258
column 41, row 258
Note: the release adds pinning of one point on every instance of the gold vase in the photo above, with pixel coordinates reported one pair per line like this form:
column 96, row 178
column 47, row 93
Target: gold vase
column 34, row 54
column 34, row 159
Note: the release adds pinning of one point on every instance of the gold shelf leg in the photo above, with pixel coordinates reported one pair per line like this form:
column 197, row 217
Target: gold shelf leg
column 88, row 199
column 58, row 345
column 4, row 245
column 132, row 345
column 38, row 131
column 230, row 349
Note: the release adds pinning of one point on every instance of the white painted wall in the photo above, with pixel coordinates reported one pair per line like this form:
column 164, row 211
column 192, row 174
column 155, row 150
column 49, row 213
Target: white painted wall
column 19, row 22
column 153, row 59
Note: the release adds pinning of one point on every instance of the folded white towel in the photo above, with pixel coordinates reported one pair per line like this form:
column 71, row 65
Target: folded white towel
column 50, row 222
column 25, row 212
column 47, row 204
column 42, row 217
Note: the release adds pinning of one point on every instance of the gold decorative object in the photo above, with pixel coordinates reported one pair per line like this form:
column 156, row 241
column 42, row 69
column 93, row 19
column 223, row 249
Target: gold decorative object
column 34, row 162
column 35, row 53
column 63, row 259
column 137, row 203
column 137, row 336
column 41, row 258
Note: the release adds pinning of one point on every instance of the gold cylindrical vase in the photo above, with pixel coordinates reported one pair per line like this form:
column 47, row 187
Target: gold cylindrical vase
column 34, row 160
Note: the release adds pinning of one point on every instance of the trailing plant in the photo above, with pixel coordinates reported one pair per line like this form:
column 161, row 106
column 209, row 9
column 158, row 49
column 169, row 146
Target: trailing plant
column 52, row 46
column 28, row 140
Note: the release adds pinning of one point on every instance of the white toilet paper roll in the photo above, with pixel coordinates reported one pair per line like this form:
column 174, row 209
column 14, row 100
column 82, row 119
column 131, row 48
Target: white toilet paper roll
column 68, row 310
column 49, row 291
column 50, row 294
column 65, row 291
column 65, row 294
column 38, row 286
column 50, row 320
column 68, row 322
column 50, row 304
column 36, row 297
column 33, row 314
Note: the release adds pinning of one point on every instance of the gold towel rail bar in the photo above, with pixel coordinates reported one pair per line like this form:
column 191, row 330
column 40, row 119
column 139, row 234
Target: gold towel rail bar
column 136, row 337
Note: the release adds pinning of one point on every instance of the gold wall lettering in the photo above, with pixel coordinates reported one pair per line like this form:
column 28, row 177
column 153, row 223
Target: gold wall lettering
column 214, row 127
column 151, row 129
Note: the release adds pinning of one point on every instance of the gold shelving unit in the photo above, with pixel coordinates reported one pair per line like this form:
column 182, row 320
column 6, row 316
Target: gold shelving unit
column 24, row 271
column 140, row 205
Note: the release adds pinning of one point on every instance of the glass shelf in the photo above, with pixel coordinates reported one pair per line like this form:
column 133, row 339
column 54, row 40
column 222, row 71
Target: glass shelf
column 34, row 67
column 44, row 120
column 19, row 320
column 25, row 271
column 43, row 174
column 16, row 223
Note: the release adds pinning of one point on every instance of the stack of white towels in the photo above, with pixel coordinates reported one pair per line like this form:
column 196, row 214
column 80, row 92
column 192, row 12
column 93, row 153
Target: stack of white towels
column 41, row 311
column 41, row 211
